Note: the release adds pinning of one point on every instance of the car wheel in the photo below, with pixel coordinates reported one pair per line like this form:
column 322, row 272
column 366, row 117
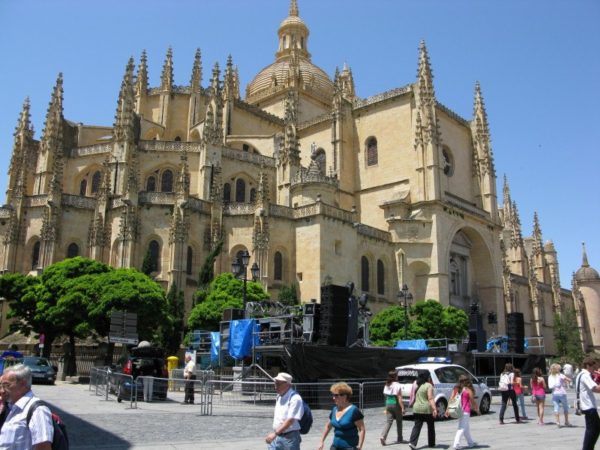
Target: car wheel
column 484, row 406
column 441, row 408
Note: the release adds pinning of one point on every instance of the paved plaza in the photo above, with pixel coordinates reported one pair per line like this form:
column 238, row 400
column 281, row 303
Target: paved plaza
column 94, row 423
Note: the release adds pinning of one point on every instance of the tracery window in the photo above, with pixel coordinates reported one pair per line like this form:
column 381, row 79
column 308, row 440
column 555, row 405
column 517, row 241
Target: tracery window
column 380, row 278
column 226, row 192
column 96, row 179
column 321, row 160
column 372, row 151
column 83, row 188
column 35, row 255
column 72, row 250
column 151, row 184
column 278, row 266
column 154, row 251
column 448, row 161
column 240, row 191
column 189, row 261
column 166, row 184
column 364, row 274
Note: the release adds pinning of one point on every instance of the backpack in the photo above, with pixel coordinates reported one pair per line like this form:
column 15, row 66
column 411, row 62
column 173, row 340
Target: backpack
column 306, row 420
column 455, row 409
column 504, row 384
column 60, row 441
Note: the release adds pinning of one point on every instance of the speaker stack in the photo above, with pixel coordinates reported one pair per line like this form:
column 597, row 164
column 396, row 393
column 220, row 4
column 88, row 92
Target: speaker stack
column 477, row 335
column 311, row 318
column 515, row 330
column 333, row 323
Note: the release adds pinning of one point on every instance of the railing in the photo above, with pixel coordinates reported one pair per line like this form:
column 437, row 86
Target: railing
column 196, row 204
column 281, row 211
column 105, row 382
column 96, row 149
column 170, row 146
column 239, row 209
column 359, row 102
column 5, row 213
column 36, row 200
column 374, row 233
column 77, row 201
column 253, row 158
column 157, row 198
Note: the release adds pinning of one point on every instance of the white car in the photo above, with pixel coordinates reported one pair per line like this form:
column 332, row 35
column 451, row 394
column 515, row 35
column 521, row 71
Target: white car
column 444, row 377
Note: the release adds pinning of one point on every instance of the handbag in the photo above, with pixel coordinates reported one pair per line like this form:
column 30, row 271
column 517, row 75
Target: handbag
column 455, row 409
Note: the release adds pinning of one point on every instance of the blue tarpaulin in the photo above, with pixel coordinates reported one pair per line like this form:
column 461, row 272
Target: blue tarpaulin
column 415, row 344
column 215, row 345
column 241, row 338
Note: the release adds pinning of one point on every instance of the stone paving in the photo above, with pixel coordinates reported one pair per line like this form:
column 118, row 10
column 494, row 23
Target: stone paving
column 94, row 423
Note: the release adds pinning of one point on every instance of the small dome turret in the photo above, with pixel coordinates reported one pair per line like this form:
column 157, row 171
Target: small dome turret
column 585, row 272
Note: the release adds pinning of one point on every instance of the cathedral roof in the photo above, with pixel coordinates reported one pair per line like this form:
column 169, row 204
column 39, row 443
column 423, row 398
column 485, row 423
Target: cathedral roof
column 585, row 272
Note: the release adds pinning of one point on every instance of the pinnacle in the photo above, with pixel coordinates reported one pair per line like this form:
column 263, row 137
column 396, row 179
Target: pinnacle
column 196, row 80
column 166, row 79
column 584, row 261
column 294, row 8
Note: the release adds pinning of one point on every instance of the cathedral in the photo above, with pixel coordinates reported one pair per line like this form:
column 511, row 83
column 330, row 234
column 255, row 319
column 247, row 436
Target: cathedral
column 317, row 184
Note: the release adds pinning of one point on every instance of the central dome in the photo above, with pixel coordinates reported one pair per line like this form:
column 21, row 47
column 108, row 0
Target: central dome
column 292, row 67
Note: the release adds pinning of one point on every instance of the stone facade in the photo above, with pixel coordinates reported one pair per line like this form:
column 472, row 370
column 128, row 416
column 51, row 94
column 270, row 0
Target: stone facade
column 316, row 183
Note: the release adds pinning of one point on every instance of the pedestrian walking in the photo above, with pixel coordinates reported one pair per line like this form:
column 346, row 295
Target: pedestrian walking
column 538, row 392
column 557, row 383
column 520, row 388
column 507, row 379
column 424, row 411
column 465, row 390
column 189, row 373
column 346, row 420
column 585, row 388
column 17, row 432
column 288, row 411
column 394, row 409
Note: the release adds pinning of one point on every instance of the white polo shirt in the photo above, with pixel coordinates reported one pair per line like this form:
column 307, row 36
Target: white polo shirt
column 585, row 384
column 288, row 405
column 16, row 435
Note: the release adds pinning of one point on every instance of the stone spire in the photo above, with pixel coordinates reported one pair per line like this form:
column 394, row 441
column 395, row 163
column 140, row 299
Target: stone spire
column 425, row 78
column 537, row 232
column 19, row 161
column 346, row 82
column 584, row 258
column 196, row 81
column 215, row 83
column 481, row 134
column 141, row 82
column 294, row 8
column 516, row 235
column 507, row 203
column 166, row 78
column 124, row 126
column 212, row 132
column 230, row 82
column 291, row 144
column 52, row 135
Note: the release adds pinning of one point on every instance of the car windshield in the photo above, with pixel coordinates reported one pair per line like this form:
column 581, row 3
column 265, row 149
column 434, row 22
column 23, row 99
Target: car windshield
column 40, row 362
column 408, row 376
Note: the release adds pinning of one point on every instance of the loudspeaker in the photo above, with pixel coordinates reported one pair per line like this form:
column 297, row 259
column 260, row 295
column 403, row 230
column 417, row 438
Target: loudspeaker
column 515, row 330
column 352, row 335
column 333, row 323
column 310, row 321
column 233, row 314
column 477, row 335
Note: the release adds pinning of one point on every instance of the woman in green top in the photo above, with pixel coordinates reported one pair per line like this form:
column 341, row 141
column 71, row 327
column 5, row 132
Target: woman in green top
column 424, row 410
column 393, row 406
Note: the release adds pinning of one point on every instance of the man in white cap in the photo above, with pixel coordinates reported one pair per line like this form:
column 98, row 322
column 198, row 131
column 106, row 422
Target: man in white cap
column 288, row 411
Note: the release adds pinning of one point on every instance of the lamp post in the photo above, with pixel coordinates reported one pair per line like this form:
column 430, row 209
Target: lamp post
column 405, row 298
column 239, row 268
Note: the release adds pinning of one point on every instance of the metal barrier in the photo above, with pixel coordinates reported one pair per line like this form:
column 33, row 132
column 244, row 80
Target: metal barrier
column 372, row 394
column 106, row 382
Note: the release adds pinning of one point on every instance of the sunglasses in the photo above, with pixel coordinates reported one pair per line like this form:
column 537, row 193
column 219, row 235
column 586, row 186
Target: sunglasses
column 337, row 395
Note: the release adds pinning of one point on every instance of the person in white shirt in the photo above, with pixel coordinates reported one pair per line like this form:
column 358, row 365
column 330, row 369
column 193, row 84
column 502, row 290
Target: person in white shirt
column 189, row 373
column 568, row 371
column 16, row 434
column 394, row 408
column 586, row 388
column 557, row 383
column 288, row 411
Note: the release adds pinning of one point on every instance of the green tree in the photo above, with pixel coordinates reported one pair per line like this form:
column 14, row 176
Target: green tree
column 13, row 287
column 288, row 295
column 147, row 263
column 224, row 292
column 173, row 335
column 566, row 335
column 207, row 272
column 428, row 319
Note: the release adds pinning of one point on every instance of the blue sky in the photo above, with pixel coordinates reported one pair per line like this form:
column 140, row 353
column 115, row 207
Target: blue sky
column 537, row 62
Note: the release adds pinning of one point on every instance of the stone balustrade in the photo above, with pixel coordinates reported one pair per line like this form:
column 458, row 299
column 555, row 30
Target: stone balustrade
column 253, row 158
column 157, row 198
column 239, row 209
column 78, row 201
column 170, row 146
column 96, row 149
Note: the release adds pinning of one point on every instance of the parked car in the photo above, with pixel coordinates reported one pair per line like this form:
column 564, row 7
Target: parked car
column 444, row 377
column 141, row 362
column 41, row 369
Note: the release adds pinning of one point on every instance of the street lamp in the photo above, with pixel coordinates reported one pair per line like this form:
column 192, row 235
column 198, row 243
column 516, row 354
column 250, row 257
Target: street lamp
column 405, row 298
column 239, row 268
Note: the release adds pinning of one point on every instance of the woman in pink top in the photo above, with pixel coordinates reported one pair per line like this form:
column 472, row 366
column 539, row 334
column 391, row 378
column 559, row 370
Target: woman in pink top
column 465, row 389
column 538, row 391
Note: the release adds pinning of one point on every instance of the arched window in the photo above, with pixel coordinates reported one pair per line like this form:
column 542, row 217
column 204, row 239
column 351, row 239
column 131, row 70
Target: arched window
column 226, row 192
column 151, row 184
column 154, row 250
column 83, row 188
column 321, row 160
column 72, row 250
column 252, row 195
column 278, row 267
column 240, row 191
column 371, row 151
column 35, row 255
column 448, row 162
column 166, row 182
column 380, row 278
column 455, row 277
column 364, row 274
column 177, row 138
column 190, row 261
column 96, row 178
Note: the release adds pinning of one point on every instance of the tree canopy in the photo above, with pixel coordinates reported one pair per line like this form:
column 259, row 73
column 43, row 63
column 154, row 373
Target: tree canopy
column 427, row 319
column 566, row 334
column 224, row 292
